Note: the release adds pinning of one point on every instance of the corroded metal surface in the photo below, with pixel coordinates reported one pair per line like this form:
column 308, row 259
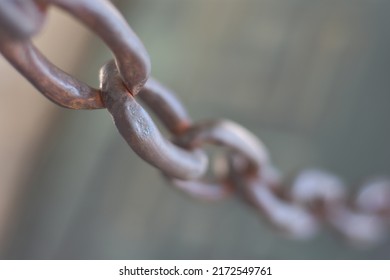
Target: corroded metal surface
column 314, row 198
column 140, row 132
column 63, row 89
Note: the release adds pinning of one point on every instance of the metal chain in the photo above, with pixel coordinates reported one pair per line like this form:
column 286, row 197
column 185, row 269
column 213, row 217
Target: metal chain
column 314, row 197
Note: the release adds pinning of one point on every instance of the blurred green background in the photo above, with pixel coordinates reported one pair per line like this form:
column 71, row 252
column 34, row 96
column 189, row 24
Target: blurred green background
column 309, row 77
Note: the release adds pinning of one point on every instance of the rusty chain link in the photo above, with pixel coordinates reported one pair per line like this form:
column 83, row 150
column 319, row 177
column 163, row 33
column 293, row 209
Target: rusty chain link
column 313, row 198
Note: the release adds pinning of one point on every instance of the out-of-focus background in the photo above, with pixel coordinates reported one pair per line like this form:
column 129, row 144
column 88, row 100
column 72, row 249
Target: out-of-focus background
column 309, row 77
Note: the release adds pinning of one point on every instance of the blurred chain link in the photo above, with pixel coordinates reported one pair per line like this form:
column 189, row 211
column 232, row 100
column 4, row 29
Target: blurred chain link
column 297, row 209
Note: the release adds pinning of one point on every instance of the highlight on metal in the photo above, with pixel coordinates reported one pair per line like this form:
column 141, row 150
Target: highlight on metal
column 313, row 199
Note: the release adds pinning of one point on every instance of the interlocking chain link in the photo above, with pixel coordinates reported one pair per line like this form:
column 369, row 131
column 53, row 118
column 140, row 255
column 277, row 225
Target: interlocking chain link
column 313, row 198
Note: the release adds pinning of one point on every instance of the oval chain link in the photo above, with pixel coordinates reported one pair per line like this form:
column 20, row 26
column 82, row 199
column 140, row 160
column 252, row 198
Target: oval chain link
column 314, row 198
column 63, row 89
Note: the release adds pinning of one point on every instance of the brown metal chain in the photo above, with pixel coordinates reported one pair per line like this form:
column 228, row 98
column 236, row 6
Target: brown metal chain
column 314, row 197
